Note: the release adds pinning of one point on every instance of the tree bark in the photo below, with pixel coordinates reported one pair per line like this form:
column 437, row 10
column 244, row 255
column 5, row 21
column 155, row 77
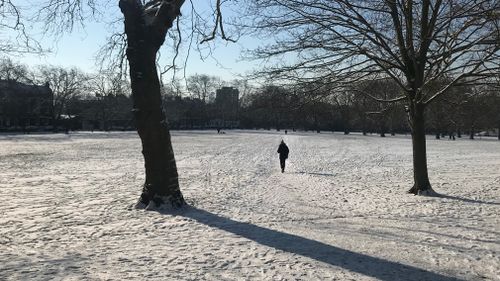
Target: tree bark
column 382, row 126
column 161, row 186
column 421, row 185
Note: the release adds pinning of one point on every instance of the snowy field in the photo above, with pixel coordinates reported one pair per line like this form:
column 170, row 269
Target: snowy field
column 339, row 212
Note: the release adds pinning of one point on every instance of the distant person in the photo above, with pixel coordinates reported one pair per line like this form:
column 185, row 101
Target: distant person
column 283, row 151
column 286, row 132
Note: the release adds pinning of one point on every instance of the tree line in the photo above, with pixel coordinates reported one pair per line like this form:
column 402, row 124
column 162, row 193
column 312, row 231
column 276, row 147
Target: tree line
column 424, row 47
column 104, row 97
column 463, row 110
column 335, row 53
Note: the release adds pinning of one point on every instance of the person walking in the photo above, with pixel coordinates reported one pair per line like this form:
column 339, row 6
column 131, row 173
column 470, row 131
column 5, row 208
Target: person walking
column 283, row 151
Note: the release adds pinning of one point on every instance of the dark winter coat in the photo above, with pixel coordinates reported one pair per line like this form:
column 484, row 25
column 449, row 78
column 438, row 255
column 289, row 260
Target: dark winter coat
column 283, row 151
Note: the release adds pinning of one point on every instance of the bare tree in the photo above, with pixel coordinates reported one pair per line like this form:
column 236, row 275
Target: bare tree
column 412, row 42
column 108, row 83
column 146, row 26
column 10, row 70
column 479, row 109
column 66, row 85
column 382, row 113
column 15, row 36
column 202, row 86
column 107, row 89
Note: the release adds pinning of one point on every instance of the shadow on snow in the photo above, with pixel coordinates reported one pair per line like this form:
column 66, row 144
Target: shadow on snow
column 315, row 174
column 352, row 261
column 466, row 200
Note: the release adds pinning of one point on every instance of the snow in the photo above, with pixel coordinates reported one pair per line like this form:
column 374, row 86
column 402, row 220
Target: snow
column 339, row 212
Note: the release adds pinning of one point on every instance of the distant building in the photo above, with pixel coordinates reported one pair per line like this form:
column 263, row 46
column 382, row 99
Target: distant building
column 227, row 108
column 25, row 107
column 111, row 112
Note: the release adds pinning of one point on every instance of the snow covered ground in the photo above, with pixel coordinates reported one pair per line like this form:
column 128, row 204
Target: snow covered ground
column 339, row 212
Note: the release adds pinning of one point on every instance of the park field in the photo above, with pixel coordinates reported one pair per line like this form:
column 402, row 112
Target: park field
column 339, row 212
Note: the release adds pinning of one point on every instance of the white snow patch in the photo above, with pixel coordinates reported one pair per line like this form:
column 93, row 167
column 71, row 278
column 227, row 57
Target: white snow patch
column 339, row 212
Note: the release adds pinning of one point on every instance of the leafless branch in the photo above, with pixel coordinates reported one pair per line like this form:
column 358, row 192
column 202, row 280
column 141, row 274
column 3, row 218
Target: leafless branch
column 219, row 26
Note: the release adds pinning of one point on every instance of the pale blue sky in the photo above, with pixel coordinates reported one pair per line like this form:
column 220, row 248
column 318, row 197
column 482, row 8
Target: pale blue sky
column 79, row 48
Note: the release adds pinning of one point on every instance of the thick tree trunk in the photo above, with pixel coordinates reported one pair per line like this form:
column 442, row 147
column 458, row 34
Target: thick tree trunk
column 162, row 185
column 161, row 188
column 421, row 185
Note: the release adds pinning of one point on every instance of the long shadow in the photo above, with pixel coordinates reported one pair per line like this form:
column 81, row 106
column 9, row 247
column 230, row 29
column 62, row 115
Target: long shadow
column 316, row 174
column 467, row 200
column 352, row 261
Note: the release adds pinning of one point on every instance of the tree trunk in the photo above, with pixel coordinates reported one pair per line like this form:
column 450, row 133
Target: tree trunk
column 393, row 133
column 382, row 131
column 161, row 186
column 382, row 125
column 421, row 185
column 363, row 124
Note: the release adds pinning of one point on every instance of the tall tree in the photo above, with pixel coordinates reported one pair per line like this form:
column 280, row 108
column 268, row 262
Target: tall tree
column 146, row 25
column 480, row 109
column 66, row 84
column 112, row 94
column 202, row 86
column 10, row 70
column 412, row 42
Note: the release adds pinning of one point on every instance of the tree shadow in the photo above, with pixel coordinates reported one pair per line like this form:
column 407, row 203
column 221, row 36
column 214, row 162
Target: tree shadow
column 352, row 261
column 315, row 174
column 376, row 230
column 42, row 268
column 466, row 200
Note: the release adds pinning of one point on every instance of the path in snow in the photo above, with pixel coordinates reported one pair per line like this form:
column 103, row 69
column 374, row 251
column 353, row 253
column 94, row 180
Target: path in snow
column 339, row 212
